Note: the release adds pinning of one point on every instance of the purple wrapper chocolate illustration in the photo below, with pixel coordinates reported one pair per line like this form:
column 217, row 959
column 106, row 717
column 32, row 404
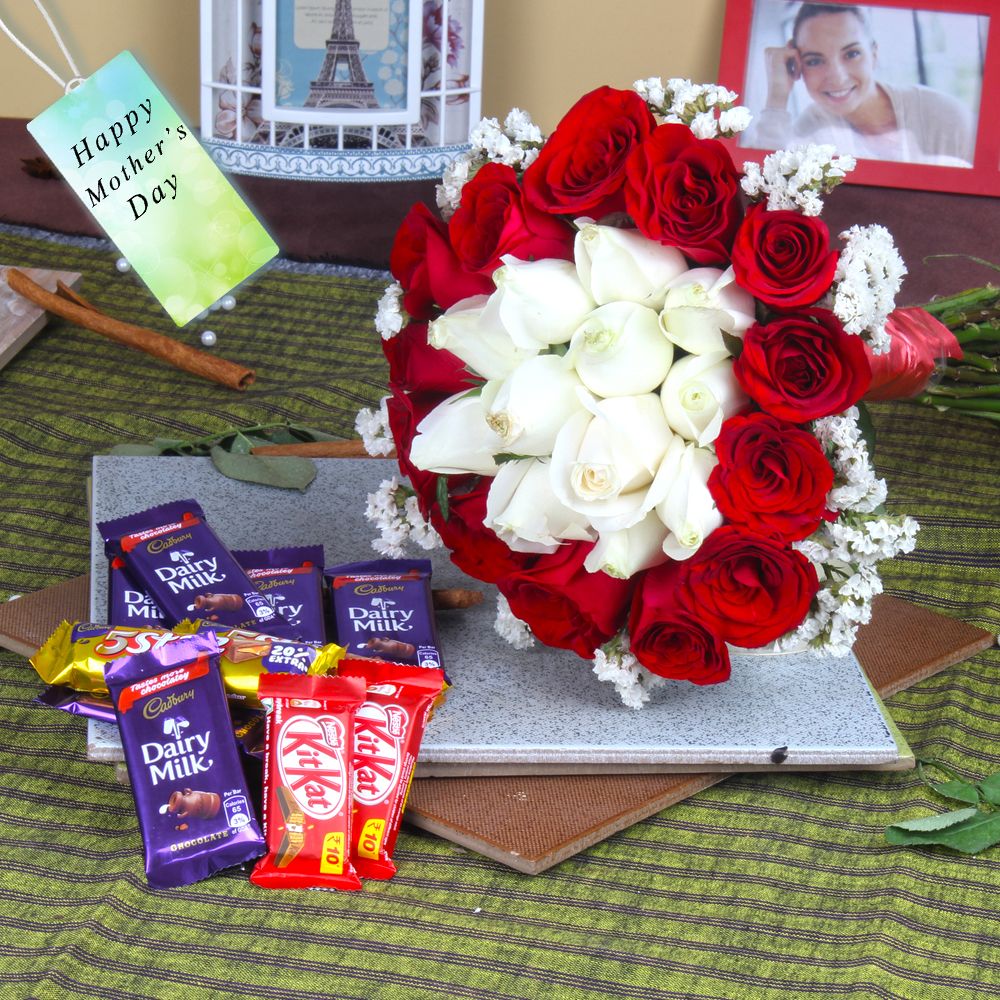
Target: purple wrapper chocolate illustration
column 190, row 793
column 383, row 608
column 291, row 579
column 176, row 556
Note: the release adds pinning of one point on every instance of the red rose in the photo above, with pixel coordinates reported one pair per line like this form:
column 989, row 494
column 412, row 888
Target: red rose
column 668, row 639
column 494, row 219
column 783, row 258
column 685, row 192
column 416, row 366
column 474, row 549
column 801, row 368
column 424, row 263
column 747, row 589
column 564, row 605
column 919, row 343
column 772, row 477
column 581, row 168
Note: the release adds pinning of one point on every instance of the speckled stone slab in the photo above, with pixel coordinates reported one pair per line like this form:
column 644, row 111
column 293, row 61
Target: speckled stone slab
column 541, row 710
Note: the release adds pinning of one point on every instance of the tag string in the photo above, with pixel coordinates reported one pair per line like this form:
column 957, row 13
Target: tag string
column 75, row 80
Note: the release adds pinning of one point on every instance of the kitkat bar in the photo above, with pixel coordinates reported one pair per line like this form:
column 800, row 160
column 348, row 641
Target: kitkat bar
column 388, row 730
column 173, row 553
column 308, row 776
column 383, row 608
column 193, row 803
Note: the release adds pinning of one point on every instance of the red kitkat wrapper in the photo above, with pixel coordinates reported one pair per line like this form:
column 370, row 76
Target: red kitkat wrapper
column 308, row 776
column 388, row 729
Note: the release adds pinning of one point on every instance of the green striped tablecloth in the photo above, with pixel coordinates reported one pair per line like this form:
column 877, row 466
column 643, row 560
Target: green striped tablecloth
column 763, row 886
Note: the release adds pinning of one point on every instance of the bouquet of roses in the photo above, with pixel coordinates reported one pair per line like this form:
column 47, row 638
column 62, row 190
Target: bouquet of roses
column 624, row 385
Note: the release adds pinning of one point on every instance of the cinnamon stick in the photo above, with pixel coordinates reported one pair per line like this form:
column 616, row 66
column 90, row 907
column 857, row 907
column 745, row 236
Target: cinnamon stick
column 188, row 359
column 317, row 449
column 455, row 598
column 65, row 292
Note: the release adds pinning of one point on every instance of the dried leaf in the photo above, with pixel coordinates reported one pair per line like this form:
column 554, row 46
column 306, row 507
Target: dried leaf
column 285, row 472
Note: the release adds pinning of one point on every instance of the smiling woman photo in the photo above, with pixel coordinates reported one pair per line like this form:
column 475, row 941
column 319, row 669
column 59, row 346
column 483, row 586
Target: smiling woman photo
column 851, row 103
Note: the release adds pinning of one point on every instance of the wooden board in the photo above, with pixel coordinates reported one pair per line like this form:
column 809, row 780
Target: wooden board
column 20, row 319
column 530, row 823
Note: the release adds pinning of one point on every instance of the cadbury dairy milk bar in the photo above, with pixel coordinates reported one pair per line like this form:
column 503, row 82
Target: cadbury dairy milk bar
column 290, row 578
column 383, row 609
column 191, row 797
column 173, row 552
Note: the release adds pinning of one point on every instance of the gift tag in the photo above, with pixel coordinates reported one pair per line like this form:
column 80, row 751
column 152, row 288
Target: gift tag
column 146, row 179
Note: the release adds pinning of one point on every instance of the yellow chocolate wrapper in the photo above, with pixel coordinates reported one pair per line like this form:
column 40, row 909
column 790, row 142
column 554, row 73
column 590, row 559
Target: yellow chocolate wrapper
column 77, row 653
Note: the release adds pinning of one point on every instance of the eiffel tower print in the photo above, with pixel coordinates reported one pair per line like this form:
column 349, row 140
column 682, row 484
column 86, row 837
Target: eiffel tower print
column 341, row 82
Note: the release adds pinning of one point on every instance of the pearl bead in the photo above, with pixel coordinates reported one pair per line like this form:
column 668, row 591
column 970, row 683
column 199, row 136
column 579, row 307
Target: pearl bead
column 123, row 265
column 228, row 302
column 208, row 338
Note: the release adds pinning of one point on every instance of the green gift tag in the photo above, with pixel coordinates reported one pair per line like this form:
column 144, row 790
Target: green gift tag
column 146, row 179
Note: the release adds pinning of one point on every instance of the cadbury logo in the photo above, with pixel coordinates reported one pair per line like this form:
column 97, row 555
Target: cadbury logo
column 377, row 588
column 156, row 706
column 159, row 544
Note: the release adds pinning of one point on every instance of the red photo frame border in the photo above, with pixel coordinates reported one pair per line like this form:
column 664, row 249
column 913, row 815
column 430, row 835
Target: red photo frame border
column 983, row 178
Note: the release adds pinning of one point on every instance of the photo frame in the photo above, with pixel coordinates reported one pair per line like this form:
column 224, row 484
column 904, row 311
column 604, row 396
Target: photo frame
column 361, row 68
column 932, row 65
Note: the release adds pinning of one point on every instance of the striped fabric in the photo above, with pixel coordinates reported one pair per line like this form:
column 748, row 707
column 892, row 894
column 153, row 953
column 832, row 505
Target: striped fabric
column 761, row 887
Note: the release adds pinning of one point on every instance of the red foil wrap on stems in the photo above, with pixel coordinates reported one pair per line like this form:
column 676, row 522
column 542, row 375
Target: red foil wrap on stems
column 308, row 779
column 920, row 343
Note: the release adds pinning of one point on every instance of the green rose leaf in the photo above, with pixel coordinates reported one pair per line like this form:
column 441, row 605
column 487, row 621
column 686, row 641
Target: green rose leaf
column 990, row 787
column 968, row 831
column 442, row 495
column 962, row 791
column 284, row 472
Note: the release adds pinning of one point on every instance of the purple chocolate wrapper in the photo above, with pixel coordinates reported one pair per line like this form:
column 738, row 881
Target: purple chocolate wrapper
column 292, row 580
column 193, row 803
column 383, row 608
column 187, row 570
column 66, row 699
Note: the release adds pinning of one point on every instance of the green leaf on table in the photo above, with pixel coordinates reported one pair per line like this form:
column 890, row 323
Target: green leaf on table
column 962, row 791
column 990, row 787
column 285, row 472
column 939, row 821
column 966, row 830
column 134, row 449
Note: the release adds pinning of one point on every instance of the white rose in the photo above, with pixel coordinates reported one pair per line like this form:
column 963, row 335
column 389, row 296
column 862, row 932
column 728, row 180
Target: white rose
column 699, row 392
column 455, row 437
column 700, row 304
column 605, row 458
column 524, row 512
column 682, row 499
column 618, row 264
column 527, row 409
column 624, row 553
column 540, row 302
column 471, row 330
column 619, row 350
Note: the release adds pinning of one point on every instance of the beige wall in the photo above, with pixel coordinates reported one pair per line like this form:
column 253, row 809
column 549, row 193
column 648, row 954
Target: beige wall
column 540, row 55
